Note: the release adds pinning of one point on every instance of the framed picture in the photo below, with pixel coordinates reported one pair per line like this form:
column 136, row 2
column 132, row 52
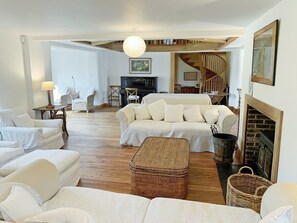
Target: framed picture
column 140, row 66
column 264, row 54
column 190, row 76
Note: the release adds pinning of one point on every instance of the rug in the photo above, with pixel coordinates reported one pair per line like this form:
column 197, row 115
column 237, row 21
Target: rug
column 225, row 170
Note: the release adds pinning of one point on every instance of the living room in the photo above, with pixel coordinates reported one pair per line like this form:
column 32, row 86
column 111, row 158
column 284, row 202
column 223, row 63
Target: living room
column 26, row 62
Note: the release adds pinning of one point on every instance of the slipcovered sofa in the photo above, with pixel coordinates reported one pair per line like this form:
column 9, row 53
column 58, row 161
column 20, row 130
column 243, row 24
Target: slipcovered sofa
column 103, row 206
column 12, row 158
column 16, row 125
column 191, row 122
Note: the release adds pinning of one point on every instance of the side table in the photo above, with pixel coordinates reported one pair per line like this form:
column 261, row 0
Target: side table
column 54, row 114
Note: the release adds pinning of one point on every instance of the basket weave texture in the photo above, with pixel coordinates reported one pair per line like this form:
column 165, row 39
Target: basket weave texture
column 160, row 168
column 246, row 190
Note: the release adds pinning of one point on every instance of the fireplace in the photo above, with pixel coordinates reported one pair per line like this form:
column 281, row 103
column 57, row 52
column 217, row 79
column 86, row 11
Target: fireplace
column 265, row 153
column 260, row 118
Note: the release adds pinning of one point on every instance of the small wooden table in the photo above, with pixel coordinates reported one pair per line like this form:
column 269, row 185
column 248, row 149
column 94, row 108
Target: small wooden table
column 54, row 114
column 217, row 98
column 160, row 168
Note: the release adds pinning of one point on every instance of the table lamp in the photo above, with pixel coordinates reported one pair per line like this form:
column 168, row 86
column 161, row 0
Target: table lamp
column 48, row 86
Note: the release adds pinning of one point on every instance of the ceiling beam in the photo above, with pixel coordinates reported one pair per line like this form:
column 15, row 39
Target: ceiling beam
column 229, row 40
column 147, row 35
column 168, row 48
column 209, row 40
column 97, row 43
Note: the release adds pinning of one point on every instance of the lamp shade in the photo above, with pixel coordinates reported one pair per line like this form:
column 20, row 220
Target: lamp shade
column 47, row 86
column 134, row 46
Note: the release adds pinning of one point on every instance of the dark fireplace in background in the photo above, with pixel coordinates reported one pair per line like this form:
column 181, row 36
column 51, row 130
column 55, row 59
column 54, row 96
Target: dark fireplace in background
column 259, row 116
column 255, row 123
column 265, row 153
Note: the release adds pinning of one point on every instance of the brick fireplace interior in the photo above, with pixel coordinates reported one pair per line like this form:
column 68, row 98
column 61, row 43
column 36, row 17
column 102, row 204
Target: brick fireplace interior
column 261, row 137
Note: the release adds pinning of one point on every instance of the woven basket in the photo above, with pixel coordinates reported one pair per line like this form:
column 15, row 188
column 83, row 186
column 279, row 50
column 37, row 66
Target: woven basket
column 246, row 190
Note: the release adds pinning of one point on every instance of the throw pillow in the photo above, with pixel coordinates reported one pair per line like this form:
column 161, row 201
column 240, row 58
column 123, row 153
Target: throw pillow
column 280, row 215
column 156, row 110
column 211, row 116
column 73, row 215
column 5, row 189
column 193, row 114
column 174, row 113
column 141, row 112
column 19, row 205
column 23, row 120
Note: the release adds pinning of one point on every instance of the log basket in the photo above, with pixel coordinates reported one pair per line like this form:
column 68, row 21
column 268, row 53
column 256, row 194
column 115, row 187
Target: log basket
column 246, row 190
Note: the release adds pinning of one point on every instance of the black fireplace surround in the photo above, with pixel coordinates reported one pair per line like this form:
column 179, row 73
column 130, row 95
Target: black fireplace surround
column 265, row 154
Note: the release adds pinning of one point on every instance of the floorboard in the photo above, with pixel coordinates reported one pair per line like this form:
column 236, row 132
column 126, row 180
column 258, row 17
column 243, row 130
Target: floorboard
column 105, row 163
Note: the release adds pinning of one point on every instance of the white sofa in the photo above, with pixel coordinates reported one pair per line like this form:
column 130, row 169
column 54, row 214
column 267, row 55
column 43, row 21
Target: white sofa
column 42, row 134
column 105, row 207
column 12, row 158
column 133, row 131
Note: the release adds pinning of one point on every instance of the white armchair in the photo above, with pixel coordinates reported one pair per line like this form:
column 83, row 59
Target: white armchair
column 61, row 95
column 9, row 150
column 16, row 125
column 84, row 100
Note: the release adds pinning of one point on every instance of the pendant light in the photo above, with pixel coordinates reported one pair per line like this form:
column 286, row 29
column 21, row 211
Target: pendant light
column 134, row 46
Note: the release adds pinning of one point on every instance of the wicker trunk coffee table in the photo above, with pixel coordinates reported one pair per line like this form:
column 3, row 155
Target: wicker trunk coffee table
column 160, row 168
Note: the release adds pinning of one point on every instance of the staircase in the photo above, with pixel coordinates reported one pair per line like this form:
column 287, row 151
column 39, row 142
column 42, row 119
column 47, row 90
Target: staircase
column 212, row 68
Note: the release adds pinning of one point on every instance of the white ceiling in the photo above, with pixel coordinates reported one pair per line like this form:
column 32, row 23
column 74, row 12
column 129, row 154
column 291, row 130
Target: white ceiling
column 116, row 19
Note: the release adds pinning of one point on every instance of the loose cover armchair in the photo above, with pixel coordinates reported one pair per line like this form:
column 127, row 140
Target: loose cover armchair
column 84, row 100
column 16, row 125
column 61, row 95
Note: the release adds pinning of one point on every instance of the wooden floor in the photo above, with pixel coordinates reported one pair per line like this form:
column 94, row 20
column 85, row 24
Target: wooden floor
column 105, row 163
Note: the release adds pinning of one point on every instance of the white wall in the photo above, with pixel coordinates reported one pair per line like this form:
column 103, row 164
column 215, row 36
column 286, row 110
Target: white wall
column 13, row 91
column 83, row 65
column 118, row 65
column 235, row 74
column 183, row 67
column 283, row 94
column 40, row 67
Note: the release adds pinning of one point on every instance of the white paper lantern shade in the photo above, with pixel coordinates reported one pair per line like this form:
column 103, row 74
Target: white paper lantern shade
column 134, row 46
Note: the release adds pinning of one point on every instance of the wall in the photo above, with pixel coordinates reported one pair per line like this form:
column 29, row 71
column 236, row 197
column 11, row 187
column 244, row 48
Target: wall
column 283, row 94
column 183, row 67
column 13, row 91
column 235, row 65
column 40, row 69
column 85, row 66
column 118, row 65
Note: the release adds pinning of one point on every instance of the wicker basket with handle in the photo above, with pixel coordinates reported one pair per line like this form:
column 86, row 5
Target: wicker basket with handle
column 246, row 190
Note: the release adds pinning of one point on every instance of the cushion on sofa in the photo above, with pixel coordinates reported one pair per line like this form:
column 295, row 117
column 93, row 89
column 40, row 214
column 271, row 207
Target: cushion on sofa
column 211, row 116
column 156, row 110
column 72, row 215
column 173, row 113
column 280, row 215
column 176, row 211
column 102, row 206
column 62, row 159
column 142, row 113
column 23, row 120
column 19, row 205
column 49, row 132
column 5, row 189
column 192, row 114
